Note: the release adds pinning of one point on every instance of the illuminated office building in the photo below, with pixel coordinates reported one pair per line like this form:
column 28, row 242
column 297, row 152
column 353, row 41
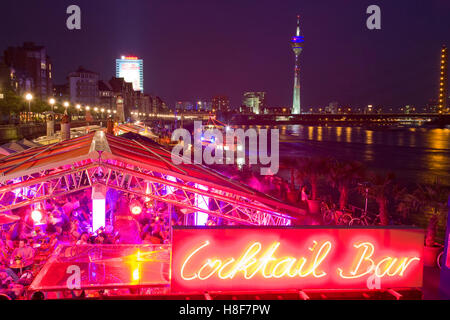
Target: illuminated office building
column 132, row 70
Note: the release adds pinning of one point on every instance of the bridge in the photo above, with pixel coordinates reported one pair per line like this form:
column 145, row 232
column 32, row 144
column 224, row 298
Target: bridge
column 317, row 118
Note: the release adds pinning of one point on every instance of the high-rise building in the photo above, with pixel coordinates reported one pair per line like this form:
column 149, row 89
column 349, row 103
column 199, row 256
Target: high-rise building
column 297, row 46
column 220, row 104
column 33, row 69
column 442, row 98
column 255, row 100
column 132, row 70
column 83, row 87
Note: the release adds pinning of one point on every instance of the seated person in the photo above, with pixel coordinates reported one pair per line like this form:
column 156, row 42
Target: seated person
column 4, row 263
column 8, row 286
column 24, row 253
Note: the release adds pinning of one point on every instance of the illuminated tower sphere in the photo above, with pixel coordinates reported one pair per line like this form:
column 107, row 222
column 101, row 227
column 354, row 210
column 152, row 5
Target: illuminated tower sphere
column 297, row 46
column 442, row 98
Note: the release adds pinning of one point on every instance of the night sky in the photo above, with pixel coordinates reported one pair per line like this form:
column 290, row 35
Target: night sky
column 196, row 49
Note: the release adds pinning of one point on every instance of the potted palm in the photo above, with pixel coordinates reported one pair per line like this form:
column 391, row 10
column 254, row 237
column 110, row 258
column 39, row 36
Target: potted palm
column 311, row 170
column 342, row 175
column 380, row 188
column 430, row 200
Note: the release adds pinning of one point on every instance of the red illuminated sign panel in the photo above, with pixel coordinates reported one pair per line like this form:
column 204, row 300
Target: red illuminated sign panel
column 245, row 259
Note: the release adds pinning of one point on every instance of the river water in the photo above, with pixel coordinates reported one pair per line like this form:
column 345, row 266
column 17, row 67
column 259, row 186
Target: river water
column 415, row 155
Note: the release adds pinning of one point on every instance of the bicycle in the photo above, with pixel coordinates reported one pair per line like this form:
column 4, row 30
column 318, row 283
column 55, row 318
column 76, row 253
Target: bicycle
column 365, row 220
column 328, row 214
column 440, row 257
column 333, row 216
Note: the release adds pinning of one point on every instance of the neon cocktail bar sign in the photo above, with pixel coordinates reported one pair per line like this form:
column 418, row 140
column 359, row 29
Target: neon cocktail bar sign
column 267, row 258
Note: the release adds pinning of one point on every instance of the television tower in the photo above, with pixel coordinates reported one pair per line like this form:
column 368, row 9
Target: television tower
column 442, row 105
column 297, row 46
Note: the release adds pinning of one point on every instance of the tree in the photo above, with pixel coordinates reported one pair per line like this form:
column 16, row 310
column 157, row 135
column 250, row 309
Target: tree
column 291, row 164
column 11, row 103
column 342, row 175
column 312, row 169
column 380, row 189
column 431, row 199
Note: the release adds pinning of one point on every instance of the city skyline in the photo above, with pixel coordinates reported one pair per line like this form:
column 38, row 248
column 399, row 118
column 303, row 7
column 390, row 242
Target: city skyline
column 404, row 74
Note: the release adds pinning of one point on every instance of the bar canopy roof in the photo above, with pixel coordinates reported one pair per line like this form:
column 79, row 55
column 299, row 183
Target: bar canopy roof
column 130, row 165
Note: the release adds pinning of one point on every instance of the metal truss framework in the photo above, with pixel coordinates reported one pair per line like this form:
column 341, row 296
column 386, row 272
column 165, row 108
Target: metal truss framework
column 139, row 181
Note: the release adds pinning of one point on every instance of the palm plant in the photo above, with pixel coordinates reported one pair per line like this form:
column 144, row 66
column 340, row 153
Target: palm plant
column 431, row 199
column 381, row 187
column 311, row 169
column 342, row 175
column 291, row 164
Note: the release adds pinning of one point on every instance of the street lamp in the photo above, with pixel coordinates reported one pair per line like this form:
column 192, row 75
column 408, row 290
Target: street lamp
column 78, row 108
column 29, row 97
column 96, row 110
column 52, row 102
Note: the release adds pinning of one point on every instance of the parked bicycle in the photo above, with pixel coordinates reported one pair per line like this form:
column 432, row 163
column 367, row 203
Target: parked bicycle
column 365, row 220
column 440, row 257
column 331, row 216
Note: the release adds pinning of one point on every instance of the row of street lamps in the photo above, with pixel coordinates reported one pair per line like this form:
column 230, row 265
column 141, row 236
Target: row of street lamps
column 139, row 114
column 66, row 104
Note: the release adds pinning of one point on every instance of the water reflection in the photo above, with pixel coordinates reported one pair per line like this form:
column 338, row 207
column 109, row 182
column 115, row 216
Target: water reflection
column 338, row 133
column 438, row 140
column 369, row 137
column 414, row 154
column 348, row 134
column 310, row 133
column 319, row 133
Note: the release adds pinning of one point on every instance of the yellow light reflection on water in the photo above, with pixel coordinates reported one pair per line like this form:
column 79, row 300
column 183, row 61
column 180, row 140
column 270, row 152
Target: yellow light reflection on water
column 338, row 133
column 310, row 133
column 369, row 137
column 438, row 140
column 369, row 153
column 348, row 134
column 319, row 133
